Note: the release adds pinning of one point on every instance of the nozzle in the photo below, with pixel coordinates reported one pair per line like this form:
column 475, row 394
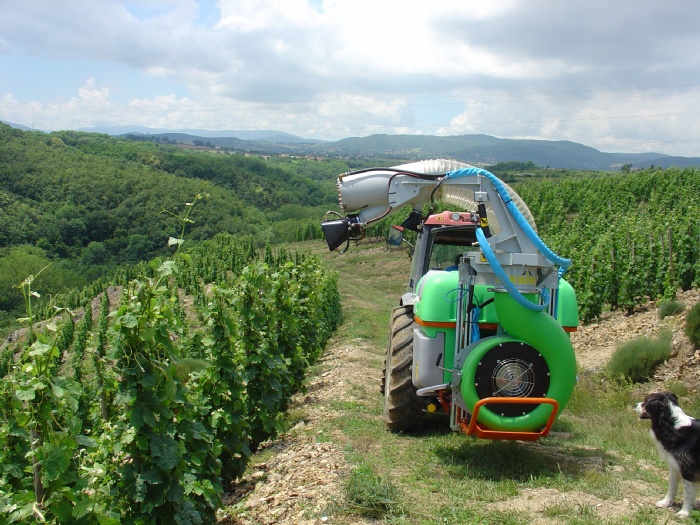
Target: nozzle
column 335, row 232
column 343, row 230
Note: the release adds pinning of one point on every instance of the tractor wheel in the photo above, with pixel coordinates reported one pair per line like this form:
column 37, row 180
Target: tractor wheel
column 403, row 409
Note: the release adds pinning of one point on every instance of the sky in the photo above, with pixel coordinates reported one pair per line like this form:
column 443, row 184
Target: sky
column 616, row 75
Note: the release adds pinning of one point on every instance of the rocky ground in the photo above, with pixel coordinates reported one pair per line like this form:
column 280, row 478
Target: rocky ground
column 595, row 343
column 302, row 477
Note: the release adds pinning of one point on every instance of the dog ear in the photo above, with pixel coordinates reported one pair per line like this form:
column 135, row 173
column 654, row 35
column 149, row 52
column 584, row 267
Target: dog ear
column 673, row 397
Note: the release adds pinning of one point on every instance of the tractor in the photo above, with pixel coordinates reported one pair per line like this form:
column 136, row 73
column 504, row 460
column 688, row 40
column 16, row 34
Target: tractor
column 482, row 332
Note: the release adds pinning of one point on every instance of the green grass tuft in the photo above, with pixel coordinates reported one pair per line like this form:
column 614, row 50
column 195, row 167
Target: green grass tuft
column 670, row 308
column 692, row 325
column 368, row 494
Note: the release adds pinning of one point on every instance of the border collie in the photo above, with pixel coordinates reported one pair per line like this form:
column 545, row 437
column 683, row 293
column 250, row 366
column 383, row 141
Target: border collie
column 677, row 437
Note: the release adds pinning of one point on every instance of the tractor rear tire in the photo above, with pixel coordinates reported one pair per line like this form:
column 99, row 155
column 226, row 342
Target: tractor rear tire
column 403, row 409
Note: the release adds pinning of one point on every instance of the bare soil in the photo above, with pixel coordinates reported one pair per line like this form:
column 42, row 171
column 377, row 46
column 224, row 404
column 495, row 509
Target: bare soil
column 299, row 479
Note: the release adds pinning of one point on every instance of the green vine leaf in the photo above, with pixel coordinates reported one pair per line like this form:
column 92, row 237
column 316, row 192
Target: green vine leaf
column 25, row 394
column 54, row 461
column 164, row 450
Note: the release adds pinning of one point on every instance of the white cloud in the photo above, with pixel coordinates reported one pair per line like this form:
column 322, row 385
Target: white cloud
column 591, row 71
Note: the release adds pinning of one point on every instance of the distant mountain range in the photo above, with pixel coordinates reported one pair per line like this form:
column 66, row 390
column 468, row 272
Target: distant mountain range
column 474, row 149
column 488, row 150
column 18, row 126
column 276, row 137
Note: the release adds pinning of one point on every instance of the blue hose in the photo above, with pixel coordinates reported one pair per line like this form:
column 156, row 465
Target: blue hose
column 503, row 276
column 562, row 262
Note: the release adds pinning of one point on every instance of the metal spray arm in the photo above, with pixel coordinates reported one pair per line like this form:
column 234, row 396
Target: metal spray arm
column 369, row 195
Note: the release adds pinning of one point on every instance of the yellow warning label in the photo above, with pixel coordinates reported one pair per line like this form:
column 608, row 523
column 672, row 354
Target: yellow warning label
column 526, row 280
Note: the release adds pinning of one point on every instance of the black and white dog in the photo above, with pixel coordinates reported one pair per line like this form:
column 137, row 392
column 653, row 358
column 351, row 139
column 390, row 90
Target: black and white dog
column 677, row 436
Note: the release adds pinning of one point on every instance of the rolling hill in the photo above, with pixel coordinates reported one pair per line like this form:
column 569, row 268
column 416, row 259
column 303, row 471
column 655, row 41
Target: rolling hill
column 477, row 149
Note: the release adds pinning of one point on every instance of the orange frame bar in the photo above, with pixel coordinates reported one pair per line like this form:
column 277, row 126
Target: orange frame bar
column 474, row 428
column 451, row 324
column 434, row 324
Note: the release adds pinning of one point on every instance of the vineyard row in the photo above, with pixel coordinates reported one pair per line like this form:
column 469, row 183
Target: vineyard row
column 145, row 410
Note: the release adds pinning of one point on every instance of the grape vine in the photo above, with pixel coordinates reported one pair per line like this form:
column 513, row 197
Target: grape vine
column 633, row 237
column 158, row 404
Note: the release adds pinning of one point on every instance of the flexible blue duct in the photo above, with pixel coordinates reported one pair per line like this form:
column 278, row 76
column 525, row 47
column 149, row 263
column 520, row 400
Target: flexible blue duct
column 503, row 276
column 515, row 212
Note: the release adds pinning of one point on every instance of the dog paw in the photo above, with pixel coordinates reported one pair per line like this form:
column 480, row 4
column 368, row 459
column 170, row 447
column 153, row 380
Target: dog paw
column 683, row 513
column 662, row 504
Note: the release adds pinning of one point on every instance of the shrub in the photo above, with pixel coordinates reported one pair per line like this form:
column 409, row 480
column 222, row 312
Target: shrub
column 692, row 325
column 671, row 308
column 637, row 359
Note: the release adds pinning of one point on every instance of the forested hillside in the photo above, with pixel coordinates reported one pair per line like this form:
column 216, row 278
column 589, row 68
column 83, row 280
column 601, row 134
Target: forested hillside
column 87, row 203
column 69, row 189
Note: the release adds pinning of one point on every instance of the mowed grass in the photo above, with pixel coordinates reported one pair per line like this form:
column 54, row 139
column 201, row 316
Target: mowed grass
column 597, row 467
